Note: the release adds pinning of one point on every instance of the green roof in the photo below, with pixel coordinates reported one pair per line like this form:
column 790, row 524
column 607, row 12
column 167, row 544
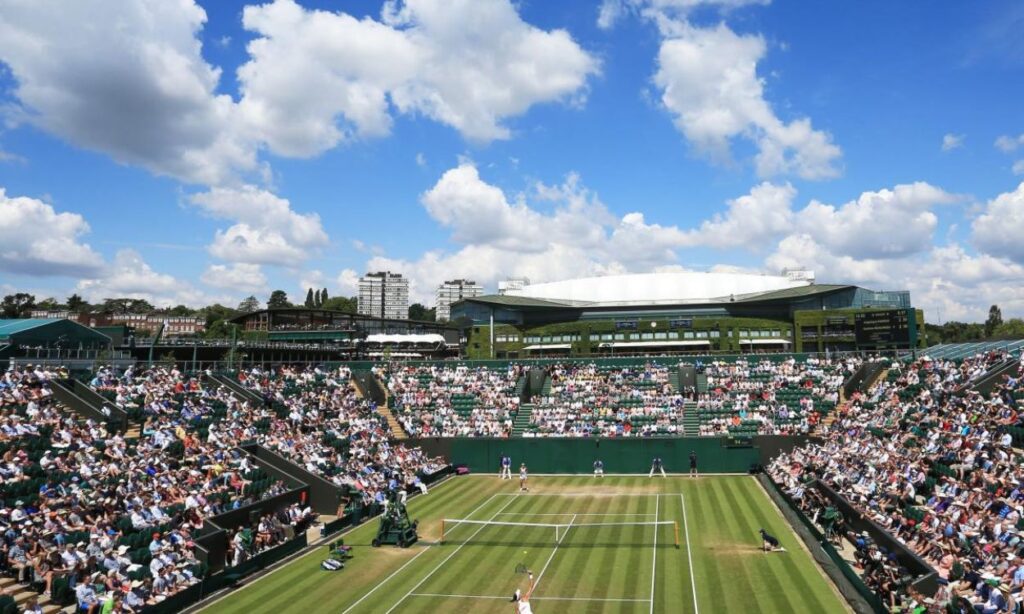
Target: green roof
column 508, row 300
column 798, row 292
column 11, row 327
column 35, row 330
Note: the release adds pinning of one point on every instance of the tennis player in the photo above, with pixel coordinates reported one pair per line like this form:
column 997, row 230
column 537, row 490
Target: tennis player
column 522, row 600
column 656, row 467
column 693, row 464
column 523, row 476
column 769, row 543
column 598, row 468
column 506, row 467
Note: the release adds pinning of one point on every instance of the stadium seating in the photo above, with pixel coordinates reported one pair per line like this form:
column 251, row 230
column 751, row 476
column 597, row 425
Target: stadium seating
column 447, row 401
column 936, row 464
column 769, row 397
column 584, row 400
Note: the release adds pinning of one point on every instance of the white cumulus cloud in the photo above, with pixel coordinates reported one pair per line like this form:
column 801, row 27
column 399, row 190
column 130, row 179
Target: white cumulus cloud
column 708, row 81
column 498, row 236
column 129, row 79
column 952, row 141
column 267, row 230
column 420, row 58
column 750, row 221
column 37, row 240
column 999, row 230
column 125, row 79
column 129, row 276
column 239, row 276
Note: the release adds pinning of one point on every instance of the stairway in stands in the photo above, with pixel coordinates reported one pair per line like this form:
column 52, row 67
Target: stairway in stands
column 21, row 594
column 691, row 421
column 393, row 424
column 522, row 419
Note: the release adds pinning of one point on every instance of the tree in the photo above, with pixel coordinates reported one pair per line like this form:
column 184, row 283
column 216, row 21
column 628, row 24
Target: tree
column 995, row 318
column 421, row 313
column 278, row 299
column 126, row 305
column 17, row 305
column 77, row 303
column 249, row 305
column 323, row 297
column 310, row 301
column 49, row 304
column 342, row 304
column 217, row 316
column 180, row 310
column 1011, row 329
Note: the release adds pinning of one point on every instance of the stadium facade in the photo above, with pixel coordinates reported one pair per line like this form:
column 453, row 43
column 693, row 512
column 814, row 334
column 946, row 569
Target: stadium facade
column 687, row 312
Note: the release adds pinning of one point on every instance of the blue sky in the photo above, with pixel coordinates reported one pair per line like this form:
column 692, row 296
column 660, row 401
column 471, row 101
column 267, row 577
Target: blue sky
column 197, row 151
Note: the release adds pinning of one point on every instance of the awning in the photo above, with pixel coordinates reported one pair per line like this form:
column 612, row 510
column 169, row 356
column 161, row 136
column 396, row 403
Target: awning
column 395, row 354
column 764, row 341
column 652, row 344
column 411, row 338
column 556, row 346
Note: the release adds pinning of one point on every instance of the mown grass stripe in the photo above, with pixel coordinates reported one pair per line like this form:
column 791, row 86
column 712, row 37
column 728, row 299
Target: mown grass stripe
column 610, row 563
column 756, row 570
column 787, row 566
column 707, row 568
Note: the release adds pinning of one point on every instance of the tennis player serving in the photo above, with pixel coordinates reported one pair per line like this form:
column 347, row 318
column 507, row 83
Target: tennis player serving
column 522, row 600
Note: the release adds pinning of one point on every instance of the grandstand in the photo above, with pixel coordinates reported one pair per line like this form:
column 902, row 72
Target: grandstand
column 237, row 470
column 958, row 351
column 687, row 313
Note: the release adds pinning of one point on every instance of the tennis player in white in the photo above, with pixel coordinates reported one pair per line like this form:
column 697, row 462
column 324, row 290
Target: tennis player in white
column 522, row 600
column 523, row 477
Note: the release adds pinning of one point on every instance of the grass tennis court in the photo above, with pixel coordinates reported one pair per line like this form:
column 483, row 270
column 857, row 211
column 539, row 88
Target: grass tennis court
column 608, row 555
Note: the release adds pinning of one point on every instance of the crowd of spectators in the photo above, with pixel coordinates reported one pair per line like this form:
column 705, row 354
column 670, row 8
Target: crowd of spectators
column 770, row 397
column 453, row 401
column 934, row 464
column 109, row 520
column 86, row 511
column 328, row 429
column 588, row 400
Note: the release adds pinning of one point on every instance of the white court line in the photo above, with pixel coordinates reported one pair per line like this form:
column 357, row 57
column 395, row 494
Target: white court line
column 505, row 598
column 567, row 514
column 553, row 551
column 689, row 557
column 409, row 562
column 654, row 557
column 596, row 495
column 310, row 549
column 454, row 552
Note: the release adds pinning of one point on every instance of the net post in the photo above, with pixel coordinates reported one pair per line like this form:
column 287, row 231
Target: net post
column 676, row 525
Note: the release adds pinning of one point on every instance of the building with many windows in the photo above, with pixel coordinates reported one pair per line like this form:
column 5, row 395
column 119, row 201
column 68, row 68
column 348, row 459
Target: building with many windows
column 142, row 323
column 384, row 295
column 687, row 312
column 453, row 291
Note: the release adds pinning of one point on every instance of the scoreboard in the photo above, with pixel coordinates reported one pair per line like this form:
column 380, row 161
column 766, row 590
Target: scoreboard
column 883, row 327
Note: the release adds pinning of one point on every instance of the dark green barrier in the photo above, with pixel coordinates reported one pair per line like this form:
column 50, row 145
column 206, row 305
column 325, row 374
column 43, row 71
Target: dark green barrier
column 869, row 596
column 560, row 455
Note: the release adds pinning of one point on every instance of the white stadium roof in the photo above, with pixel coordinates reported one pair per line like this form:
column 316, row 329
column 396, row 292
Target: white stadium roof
column 666, row 288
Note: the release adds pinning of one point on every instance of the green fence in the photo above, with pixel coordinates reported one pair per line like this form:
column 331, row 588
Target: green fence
column 559, row 455
column 872, row 599
column 624, row 361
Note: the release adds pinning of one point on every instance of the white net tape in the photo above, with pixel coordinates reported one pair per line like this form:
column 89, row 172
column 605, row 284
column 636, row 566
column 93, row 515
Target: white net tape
column 559, row 527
